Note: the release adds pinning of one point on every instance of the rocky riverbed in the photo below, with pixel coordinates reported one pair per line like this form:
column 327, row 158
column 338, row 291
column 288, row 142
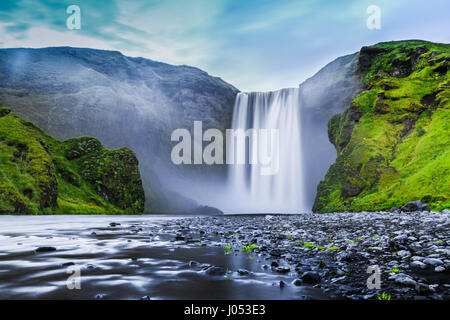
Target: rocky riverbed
column 333, row 251
column 307, row 256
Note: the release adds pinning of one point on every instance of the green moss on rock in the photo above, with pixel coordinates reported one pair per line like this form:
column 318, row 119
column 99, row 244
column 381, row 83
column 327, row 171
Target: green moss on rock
column 392, row 141
column 39, row 174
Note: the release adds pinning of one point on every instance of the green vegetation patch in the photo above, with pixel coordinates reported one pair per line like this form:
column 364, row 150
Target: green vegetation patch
column 42, row 175
column 392, row 141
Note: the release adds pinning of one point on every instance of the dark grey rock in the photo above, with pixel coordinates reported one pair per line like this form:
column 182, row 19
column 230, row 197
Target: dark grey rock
column 193, row 264
column 275, row 253
column 243, row 272
column 415, row 206
column 433, row 261
column 297, row 282
column 422, row 288
column 282, row 269
column 311, row 277
column 274, row 264
column 216, row 271
column 347, row 256
column 68, row 264
column 45, row 249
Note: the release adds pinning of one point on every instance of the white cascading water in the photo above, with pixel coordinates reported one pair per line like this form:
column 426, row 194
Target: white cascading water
column 281, row 192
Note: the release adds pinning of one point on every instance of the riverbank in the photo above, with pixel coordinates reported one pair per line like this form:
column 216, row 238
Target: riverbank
column 308, row 256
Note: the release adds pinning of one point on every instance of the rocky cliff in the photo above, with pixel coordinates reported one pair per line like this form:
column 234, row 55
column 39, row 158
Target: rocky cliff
column 392, row 140
column 123, row 102
column 39, row 174
column 325, row 94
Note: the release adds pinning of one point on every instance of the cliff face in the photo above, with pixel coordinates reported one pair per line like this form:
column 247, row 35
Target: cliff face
column 40, row 174
column 327, row 93
column 123, row 102
column 392, row 140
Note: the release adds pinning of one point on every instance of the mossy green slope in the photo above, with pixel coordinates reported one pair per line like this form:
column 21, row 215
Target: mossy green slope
column 39, row 174
column 393, row 140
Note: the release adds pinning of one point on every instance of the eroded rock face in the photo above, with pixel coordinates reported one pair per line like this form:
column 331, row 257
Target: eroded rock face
column 115, row 174
column 74, row 176
column 327, row 93
column 403, row 105
column 123, row 102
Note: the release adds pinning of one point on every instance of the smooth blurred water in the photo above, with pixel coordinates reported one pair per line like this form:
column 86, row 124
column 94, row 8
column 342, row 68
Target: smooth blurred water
column 137, row 258
column 252, row 190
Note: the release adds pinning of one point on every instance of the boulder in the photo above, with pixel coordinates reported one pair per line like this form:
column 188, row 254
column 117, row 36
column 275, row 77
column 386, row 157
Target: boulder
column 415, row 206
column 215, row 271
column 311, row 277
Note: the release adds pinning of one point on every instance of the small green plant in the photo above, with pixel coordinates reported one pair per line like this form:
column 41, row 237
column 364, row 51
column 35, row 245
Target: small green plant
column 298, row 243
column 360, row 239
column 309, row 245
column 394, row 270
column 228, row 277
column 333, row 248
column 438, row 241
column 420, row 131
column 289, row 237
column 227, row 249
column 384, row 296
column 428, row 113
column 374, row 237
column 251, row 257
column 320, row 248
column 249, row 248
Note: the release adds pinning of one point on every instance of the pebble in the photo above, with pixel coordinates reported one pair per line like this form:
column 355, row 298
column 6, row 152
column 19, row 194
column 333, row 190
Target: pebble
column 45, row 249
column 310, row 277
column 297, row 282
column 418, row 264
column 282, row 269
column 343, row 244
column 215, row 271
column 405, row 280
column 439, row 269
column 433, row 261
column 243, row 272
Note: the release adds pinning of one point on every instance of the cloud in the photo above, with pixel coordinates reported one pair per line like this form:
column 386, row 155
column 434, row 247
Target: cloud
column 253, row 44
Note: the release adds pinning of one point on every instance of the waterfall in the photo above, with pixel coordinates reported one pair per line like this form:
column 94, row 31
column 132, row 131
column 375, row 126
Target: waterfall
column 251, row 190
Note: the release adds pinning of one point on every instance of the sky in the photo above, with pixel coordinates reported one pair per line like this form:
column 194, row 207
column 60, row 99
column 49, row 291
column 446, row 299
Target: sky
column 254, row 45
